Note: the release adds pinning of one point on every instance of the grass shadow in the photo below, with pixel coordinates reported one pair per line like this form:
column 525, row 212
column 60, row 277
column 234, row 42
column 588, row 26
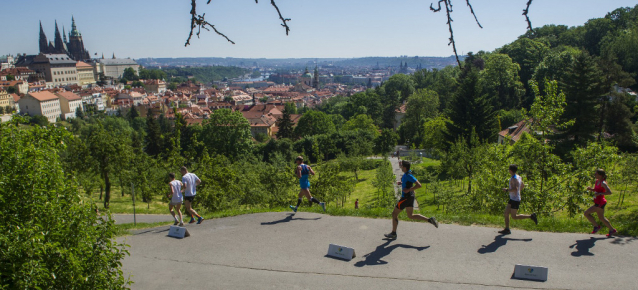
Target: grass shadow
column 376, row 257
column 498, row 242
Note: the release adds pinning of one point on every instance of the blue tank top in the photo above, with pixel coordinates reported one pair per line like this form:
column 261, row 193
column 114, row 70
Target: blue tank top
column 304, row 173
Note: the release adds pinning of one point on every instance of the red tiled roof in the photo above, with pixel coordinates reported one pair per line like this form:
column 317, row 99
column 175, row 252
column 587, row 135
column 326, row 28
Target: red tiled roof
column 43, row 96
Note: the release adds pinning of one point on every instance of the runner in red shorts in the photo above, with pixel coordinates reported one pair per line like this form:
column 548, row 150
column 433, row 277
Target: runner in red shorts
column 600, row 189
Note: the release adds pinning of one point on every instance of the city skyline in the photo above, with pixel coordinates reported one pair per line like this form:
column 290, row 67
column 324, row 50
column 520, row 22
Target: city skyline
column 319, row 29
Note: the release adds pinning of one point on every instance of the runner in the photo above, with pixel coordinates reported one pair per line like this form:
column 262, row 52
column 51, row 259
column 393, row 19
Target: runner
column 409, row 184
column 600, row 189
column 176, row 199
column 356, row 204
column 514, row 189
column 191, row 181
column 302, row 172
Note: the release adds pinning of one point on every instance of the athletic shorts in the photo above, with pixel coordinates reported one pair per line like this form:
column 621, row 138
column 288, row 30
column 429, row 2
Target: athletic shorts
column 600, row 205
column 514, row 204
column 407, row 201
column 174, row 203
column 189, row 198
column 304, row 185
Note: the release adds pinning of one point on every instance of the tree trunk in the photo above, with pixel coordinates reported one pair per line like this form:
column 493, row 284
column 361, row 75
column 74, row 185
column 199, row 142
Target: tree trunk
column 101, row 189
column 107, row 192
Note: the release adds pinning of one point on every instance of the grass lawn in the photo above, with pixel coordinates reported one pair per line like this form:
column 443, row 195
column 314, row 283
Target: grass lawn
column 124, row 204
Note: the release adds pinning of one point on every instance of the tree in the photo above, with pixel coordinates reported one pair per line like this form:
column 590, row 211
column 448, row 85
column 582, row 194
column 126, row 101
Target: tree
column 39, row 120
column 79, row 113
column 105, row 150
column 285, row 125
column 433, row 135
column 314, row 123
column 397, row 89
column 11, row 90
column 132, row 114
column 52, row 239
column 385, row 142
column 422, row 105
column 470, row 112
column 501, row 83
column 1, row 110
column 10, row 77
column 227, row 133
column 583, row 89
column 153, row 138
column 527, row 53
column 130, row 74
column 384, row 182
column 361, row 122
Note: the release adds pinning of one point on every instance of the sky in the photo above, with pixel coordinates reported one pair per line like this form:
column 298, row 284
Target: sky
column 319, row 28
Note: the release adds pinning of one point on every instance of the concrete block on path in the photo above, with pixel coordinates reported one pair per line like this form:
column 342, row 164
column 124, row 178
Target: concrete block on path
column 178, row 232
column 341, row 252
column 526, row 272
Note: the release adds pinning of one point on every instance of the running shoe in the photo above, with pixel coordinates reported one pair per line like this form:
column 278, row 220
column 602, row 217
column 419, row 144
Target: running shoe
column 176, row 222
column 505, row 232
column 611, row 233
column 294, row 208
column 534, row 218
column 434, row 222
column 323, row 205
column 596, row 229
column 181, row 224
column 392, row 236
column 192, row 221
column 199, row 220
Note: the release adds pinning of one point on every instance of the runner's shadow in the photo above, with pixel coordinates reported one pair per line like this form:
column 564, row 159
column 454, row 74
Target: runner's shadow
column 498, row 242
column 374, row 258
column 583, row 246
column 289, row 218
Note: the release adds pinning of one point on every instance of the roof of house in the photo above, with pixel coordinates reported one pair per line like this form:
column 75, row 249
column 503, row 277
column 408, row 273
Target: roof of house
column 515, row 131
column 70, row 96
column 81, row 64
column 43, row 96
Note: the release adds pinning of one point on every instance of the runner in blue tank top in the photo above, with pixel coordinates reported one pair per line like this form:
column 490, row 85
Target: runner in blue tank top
column 303, row 171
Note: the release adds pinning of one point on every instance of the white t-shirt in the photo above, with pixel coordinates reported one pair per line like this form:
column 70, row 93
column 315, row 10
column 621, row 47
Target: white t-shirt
column 516, row 180
column 177, row 191
column 190, row 182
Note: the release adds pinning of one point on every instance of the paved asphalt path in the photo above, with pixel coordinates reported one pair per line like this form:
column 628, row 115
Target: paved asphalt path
column 285, row 251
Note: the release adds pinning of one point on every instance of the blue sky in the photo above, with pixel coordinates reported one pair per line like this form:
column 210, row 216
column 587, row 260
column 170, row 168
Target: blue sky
column 319, row 28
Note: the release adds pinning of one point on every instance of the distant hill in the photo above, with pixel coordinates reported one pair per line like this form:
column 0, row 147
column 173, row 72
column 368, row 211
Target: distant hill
column 412, row 61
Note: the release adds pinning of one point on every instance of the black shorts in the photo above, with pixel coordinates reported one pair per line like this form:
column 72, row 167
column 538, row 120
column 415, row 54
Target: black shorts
column 404, row 202
column 514, row 204
column 189, row 198
column 600, row 205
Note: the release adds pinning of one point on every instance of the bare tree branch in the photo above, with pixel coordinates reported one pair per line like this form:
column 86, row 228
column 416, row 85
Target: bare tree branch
column 448, row 10
column 525, row 12
column 472, row 10
column 283, row 20
column 199, row 22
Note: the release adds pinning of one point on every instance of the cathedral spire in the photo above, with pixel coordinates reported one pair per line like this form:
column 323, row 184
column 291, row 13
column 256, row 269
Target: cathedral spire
column 114, row 55
column 74, row 29
column 59, row 44
column 44, row 44
column 63, row 34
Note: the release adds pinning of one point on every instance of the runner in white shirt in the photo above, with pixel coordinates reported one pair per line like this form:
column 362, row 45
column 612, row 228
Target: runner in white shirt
column 515, row 186
column 176, row 198
column 191, row 181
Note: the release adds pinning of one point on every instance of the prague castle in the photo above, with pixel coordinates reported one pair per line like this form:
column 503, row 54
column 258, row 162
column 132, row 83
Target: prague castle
column 74, row 47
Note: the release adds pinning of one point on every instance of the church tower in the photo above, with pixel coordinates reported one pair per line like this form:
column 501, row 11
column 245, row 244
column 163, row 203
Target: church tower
column 44, row 44
column 60, row 47
column 315, row 80
column 76, row 45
